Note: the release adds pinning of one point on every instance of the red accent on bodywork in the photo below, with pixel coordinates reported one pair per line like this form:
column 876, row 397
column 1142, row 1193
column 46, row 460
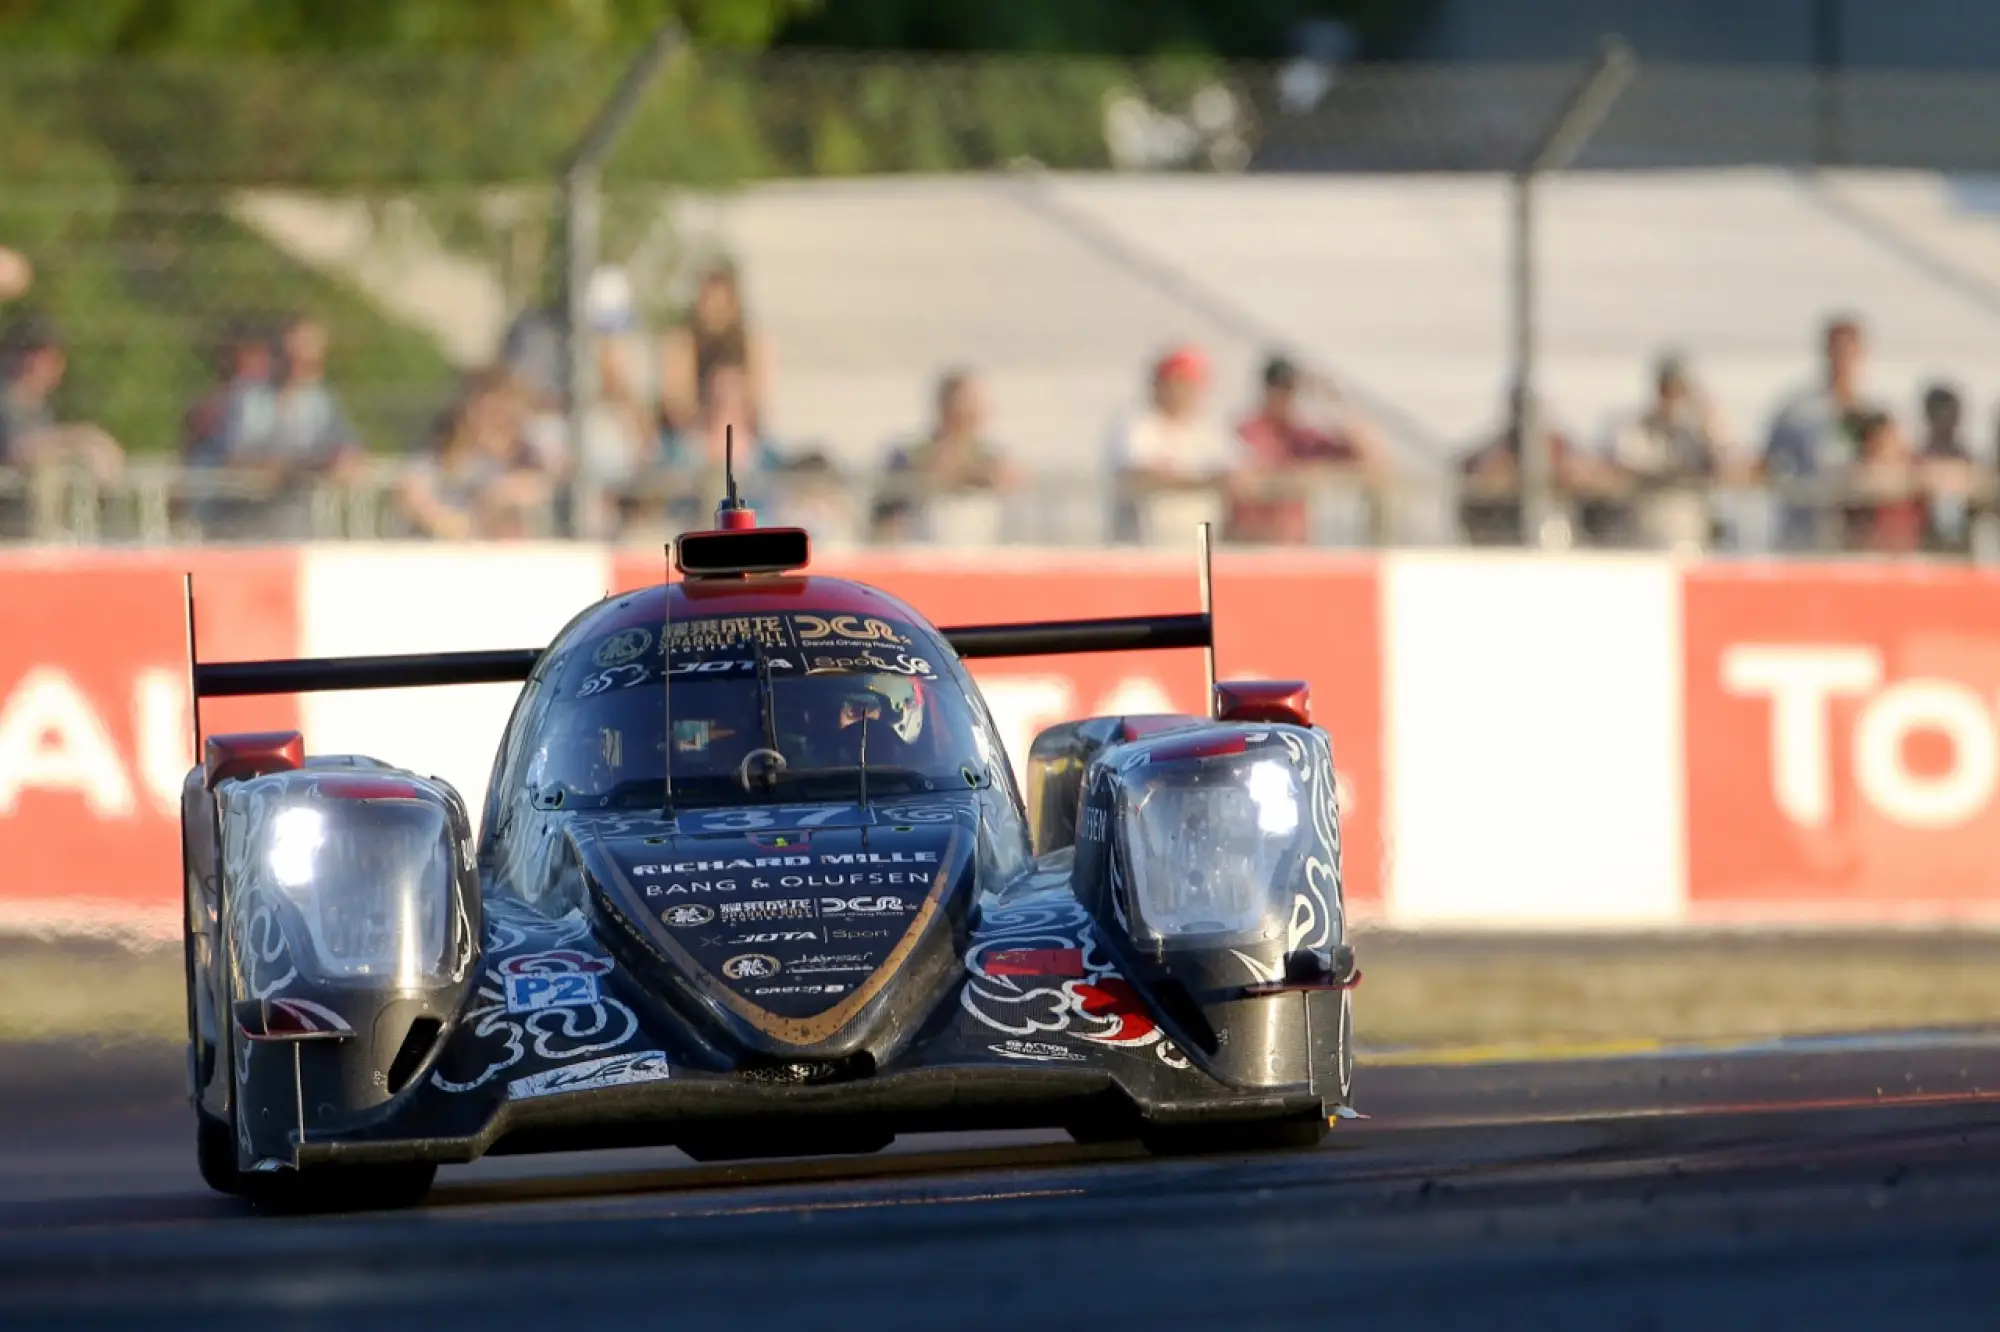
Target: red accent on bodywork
column 250, row 754
column 1286, row 702
column 1067, row 962
column 368, row 788
column 1112, row 999
column 1200, row 747
column 1134, row 728
column 740, row 519
column 750, row 596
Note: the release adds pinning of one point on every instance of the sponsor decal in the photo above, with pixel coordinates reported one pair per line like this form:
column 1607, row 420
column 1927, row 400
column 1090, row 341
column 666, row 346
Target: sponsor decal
column 717, row 866
column 836, row 932
column 870, row 879
column 750, row 966
column 827, row 963
column 775, row 936
column 616, row 677
column 558, row 978
column 612, row 1071
column 836, row 987
column 769, row 909
column 1092, row 826
column 719, row 633
column 901, row 663
column 865, row 906
column 687, row 915
column 690, row 886
column 1041, row 1052
column 626, row 645
column 878, row 858
column 848, row 629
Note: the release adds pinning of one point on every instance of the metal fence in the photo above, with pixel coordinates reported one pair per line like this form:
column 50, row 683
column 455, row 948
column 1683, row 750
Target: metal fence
column 146, row 195
column 163, row 504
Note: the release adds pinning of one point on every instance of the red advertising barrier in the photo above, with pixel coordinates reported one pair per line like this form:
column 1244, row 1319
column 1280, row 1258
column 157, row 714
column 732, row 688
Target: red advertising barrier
column 1315, row 619
column 1843, row 757
column 94, row 730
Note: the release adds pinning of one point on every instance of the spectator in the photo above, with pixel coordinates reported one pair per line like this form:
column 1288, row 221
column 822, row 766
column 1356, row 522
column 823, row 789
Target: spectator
column 1491, row 474
column 816, row 497
column 716, row 337
column 1280, row 443
column 1816, row 434
column 1884, row 512
column 243, row 365
column 953, row 461
column 621, row 442
column 484, row 475
column 32, row 364
column 16, row 275
column 1946, row 472
column 1169, row 460
column 1670, row 456
column 309, row 430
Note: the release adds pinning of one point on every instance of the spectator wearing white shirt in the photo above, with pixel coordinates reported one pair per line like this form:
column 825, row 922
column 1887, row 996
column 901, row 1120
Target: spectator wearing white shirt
column 1171, row 459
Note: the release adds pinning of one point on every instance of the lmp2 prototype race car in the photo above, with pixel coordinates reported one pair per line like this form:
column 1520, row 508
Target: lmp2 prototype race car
column 754, row 877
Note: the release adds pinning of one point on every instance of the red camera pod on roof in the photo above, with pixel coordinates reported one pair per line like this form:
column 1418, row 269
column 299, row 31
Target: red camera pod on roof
column 1285, row 701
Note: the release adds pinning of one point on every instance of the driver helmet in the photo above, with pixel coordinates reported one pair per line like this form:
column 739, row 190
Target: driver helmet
column 902, row 706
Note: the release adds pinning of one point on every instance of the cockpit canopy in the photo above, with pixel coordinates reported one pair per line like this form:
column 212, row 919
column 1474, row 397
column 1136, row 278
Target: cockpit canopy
column 784, row 706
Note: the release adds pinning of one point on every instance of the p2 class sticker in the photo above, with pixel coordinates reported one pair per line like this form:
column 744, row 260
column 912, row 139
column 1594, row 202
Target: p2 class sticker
column 536, row 991
column 611, row 1071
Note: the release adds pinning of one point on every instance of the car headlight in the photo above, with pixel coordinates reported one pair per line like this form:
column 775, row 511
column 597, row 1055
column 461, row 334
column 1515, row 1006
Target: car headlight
column 1214, row 847
column 371, row 880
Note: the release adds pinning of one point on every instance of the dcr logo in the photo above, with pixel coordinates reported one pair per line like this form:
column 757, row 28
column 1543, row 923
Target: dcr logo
column 1801, row 682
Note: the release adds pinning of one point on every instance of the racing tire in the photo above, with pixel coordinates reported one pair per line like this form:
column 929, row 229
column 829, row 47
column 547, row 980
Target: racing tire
column 372, row 1188
column 215, row 1154
column 1205, row 1139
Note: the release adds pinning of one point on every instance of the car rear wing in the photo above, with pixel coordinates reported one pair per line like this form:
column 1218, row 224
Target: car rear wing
column 312, row 675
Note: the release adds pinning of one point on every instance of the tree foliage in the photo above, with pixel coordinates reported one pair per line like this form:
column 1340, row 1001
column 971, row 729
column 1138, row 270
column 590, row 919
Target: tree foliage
column 1252, row 28
column 341, row 26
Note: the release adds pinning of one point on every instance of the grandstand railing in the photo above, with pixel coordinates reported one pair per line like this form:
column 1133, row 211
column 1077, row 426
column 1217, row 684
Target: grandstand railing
column 161, row 504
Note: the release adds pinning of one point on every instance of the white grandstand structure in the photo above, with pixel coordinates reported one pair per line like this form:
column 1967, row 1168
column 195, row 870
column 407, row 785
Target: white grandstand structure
column 1060, row 288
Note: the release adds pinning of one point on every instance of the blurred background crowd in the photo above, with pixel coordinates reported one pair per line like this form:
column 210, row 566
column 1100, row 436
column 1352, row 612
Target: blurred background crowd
column 212, row 345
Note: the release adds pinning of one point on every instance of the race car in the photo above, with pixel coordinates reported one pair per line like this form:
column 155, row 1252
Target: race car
column 754, row 877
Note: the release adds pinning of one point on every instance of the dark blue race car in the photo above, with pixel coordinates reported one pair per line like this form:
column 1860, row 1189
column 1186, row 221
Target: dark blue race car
column 755, row 878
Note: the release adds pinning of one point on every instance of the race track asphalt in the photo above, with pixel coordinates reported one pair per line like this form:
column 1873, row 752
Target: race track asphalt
column 1844, row 1184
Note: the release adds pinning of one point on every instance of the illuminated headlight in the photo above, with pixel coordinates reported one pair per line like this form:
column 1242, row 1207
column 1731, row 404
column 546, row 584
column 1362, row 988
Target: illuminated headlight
column 1214, row 848
column 371, row 880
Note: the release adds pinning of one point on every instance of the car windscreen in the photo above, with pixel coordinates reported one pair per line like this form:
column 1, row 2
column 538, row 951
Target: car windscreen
column 784, row 706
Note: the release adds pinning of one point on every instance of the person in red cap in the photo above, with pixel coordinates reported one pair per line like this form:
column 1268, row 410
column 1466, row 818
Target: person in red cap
column 1169, row 460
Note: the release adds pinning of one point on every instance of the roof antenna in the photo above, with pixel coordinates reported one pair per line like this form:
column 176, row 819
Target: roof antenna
column 1205, row 551
column 732, row 515
column 666, row 687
